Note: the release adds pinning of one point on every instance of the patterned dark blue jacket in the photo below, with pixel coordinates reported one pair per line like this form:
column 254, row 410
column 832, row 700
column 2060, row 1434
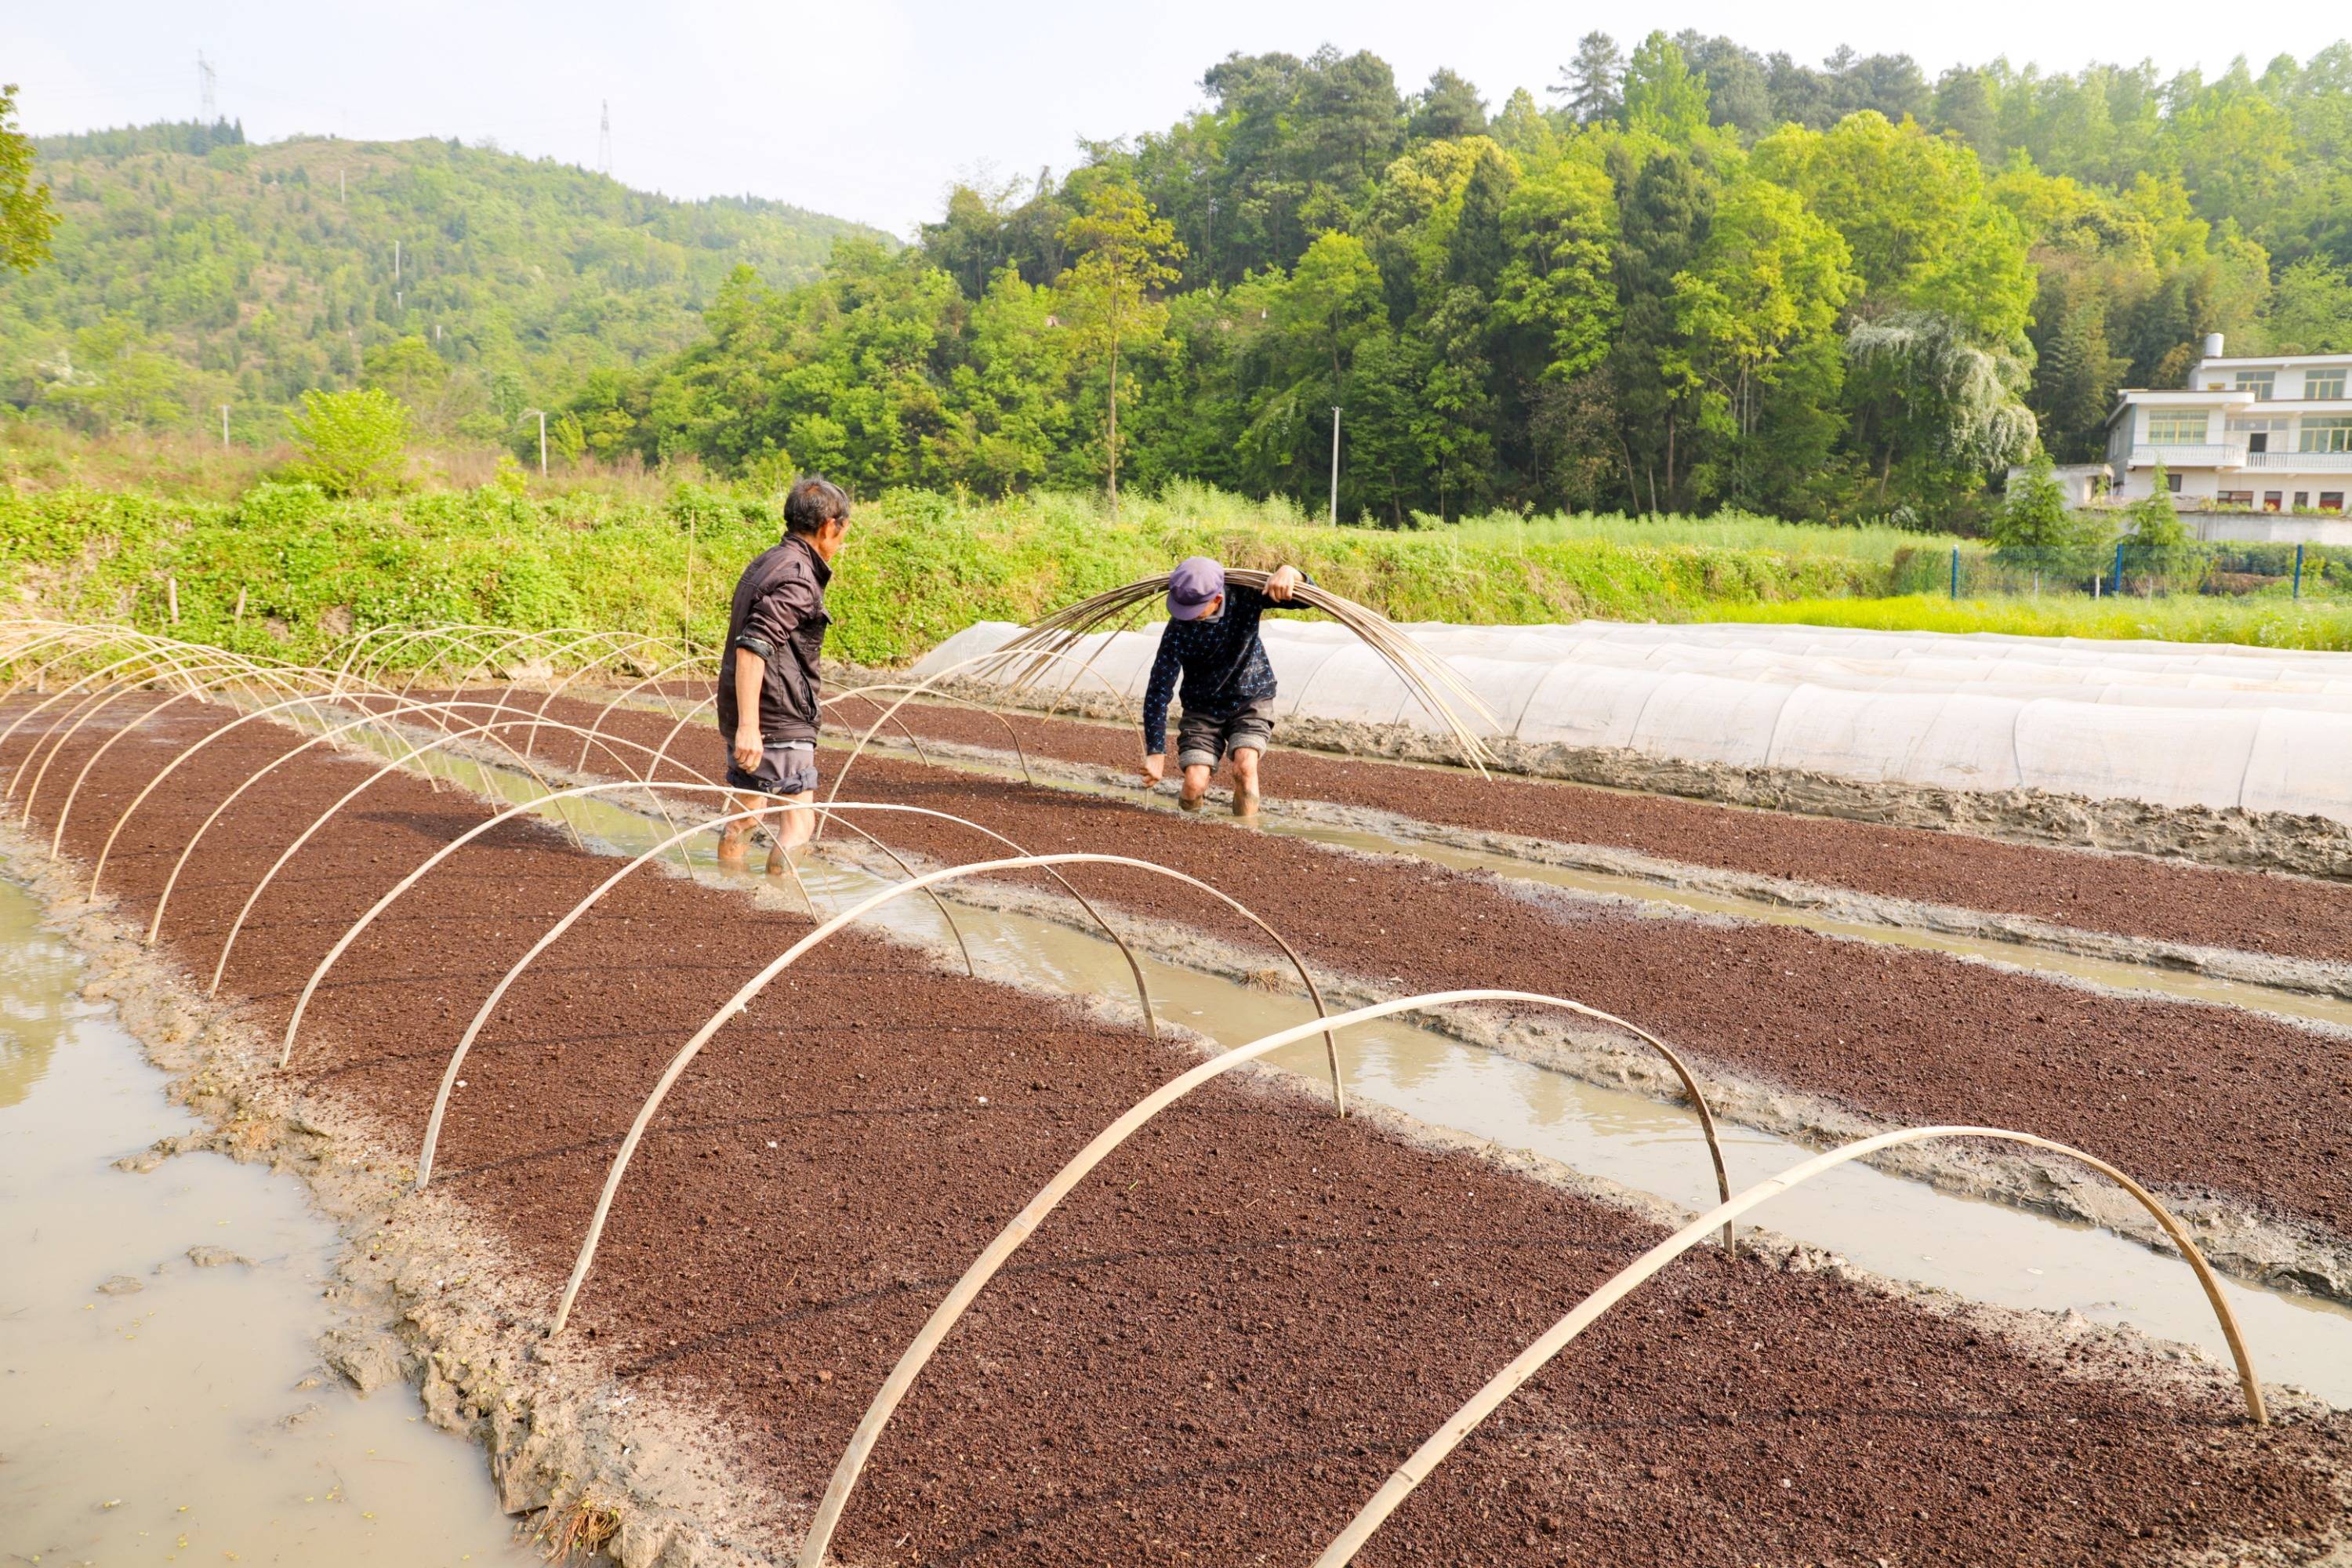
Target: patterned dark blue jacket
column 1222, row 661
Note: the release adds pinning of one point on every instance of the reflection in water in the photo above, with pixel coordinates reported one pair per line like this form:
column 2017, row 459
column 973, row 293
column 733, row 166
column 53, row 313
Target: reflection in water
column 37, row 973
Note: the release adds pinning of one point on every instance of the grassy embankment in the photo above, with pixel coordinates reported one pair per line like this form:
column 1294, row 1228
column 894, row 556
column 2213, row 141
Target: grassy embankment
column 615, row 553
column 917, row 568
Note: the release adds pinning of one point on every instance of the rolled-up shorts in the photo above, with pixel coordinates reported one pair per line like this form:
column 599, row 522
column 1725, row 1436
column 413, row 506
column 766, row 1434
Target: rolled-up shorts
column 789, row 768
column 1203, row 739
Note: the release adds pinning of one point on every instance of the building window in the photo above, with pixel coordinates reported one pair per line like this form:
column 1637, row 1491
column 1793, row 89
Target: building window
column 2302, row 500
column 2236, row 498
column 2330, row 435
column 2260, row 434
column 2271, row 500
column 2323, row 383
column 2331, row 500
column 2176, row 427
column 2260, row 383
column 2172, row 483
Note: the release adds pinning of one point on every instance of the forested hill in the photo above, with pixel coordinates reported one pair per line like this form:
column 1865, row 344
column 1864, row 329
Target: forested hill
column 1688, row 274
column 191, row 269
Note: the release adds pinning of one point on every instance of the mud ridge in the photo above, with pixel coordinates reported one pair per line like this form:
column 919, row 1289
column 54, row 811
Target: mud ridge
column 2236, row 1240
column 2262, row 840
column 2303, row 977
column 2228, row 1109
column 1221, row 1343
column 2230, row 839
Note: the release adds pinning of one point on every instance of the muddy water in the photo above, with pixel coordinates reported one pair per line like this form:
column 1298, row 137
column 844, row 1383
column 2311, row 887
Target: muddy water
column 1890, row 1225
column 180, row 1414
column 2033, row 959
column 2014, row 955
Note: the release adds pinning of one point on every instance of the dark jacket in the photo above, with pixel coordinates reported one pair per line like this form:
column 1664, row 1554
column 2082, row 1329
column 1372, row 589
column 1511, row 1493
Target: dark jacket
column 779, row 614
column 1222, row 661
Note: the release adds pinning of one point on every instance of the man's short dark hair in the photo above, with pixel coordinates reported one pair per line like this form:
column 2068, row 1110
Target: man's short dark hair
column 814, row 502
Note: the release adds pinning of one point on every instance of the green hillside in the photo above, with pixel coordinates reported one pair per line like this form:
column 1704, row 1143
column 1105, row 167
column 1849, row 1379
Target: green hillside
column 191, row 269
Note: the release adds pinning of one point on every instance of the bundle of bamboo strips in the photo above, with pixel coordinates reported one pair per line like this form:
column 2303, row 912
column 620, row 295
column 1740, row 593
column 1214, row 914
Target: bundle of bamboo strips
column 1429, row 677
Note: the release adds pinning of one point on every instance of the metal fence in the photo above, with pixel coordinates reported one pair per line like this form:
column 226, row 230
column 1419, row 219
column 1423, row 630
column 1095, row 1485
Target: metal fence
column 2292, row 572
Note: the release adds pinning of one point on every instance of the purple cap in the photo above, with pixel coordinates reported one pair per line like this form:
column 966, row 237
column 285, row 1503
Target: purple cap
column 1196, row 580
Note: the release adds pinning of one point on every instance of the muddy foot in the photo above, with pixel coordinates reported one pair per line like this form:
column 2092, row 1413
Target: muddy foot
column 1188, row 802
column 1245, row 802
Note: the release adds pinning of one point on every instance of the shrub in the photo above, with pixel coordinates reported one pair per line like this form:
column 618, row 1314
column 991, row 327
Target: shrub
column 353, row 443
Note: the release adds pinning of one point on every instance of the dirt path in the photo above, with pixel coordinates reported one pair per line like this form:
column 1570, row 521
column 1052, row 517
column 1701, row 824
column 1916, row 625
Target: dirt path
column 2129, row 895
column 1216, row 1350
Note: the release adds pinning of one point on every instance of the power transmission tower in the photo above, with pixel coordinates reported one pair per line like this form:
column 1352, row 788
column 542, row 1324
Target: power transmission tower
column 204, row 81
column 604, row 138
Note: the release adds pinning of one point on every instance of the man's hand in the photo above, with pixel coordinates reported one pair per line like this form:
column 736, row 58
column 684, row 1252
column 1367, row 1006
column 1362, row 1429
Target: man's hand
column 1283, row 583
column 1153, row 768
column 747, row 749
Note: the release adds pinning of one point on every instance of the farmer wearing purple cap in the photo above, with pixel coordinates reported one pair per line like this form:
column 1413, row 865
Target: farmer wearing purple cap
column 1211, row 640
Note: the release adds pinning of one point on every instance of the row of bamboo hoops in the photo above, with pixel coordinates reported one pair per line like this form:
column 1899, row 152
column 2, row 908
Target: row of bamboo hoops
column 64, row 678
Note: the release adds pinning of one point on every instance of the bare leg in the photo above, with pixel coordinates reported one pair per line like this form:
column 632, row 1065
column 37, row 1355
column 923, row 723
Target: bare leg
column 1196, row 784
column 1245, row 781
column 735, row 835
column 795, row 829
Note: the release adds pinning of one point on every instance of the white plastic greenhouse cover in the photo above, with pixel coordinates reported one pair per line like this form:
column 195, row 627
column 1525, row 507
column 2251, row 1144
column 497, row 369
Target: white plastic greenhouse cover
column 2170, row 723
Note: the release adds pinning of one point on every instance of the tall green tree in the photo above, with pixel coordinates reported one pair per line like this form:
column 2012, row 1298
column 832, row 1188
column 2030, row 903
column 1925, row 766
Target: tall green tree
column 1757, row 314
column 1126, row 255
column 1592, row 84
column 1662, row 98
column 27, row 217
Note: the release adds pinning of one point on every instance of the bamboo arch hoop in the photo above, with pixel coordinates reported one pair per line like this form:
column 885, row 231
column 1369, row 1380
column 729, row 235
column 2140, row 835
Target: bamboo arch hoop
column 62, row 730
column 920, row 687
column 97, row 755
column 457, row 1061
column 188, row 676
column 303, row 1002
column 1459, row 1425
column 759, row 983
column 450, row 738
column 992, row 1259
column 374, row 719
column 63, row 692
column 270, row 711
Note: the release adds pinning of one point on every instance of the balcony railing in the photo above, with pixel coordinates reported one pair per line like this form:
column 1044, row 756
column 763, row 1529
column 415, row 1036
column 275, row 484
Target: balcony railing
column 2303, row 462
column 2215, row 455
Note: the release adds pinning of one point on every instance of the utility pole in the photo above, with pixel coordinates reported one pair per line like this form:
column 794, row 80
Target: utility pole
column 541, row 413
column 224, row 426
column 205, row 75
column 604, row 138
column 1335, row 468
column 395, row 261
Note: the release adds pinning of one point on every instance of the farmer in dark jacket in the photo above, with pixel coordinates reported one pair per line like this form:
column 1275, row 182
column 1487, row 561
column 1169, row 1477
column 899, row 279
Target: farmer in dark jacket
column 767, row 676
column 1211, row 640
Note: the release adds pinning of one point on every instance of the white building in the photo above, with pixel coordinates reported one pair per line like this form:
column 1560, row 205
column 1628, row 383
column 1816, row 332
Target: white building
column 2254, row 448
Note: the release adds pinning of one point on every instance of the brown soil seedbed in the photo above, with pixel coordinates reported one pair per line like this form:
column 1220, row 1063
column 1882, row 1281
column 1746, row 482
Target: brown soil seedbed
column 2194, row 1098
column 1218, row 1347
column 2255, row 911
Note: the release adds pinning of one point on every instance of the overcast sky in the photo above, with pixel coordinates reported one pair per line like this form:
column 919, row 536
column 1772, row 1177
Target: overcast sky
column 869, row 109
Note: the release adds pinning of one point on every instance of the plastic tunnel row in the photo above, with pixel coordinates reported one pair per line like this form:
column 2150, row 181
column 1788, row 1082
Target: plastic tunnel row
column 2141, row 733
column 70, row 674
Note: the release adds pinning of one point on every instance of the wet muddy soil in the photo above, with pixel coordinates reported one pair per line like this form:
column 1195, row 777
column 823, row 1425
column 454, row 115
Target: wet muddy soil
column 2201, row 1100
column 2130, row 895
column 1219, row 1345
